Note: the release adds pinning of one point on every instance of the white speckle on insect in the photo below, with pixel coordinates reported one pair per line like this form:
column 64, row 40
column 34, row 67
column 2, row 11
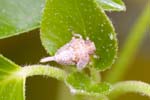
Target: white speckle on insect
column 76, row 52
column 111, row 36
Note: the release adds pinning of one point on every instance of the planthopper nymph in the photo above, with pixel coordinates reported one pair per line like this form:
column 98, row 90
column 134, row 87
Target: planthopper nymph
column 76, row 52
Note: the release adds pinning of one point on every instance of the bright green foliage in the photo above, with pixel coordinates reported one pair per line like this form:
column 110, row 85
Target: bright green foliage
column 130, row 87
column 80, row 83
column 11, row 81
column 112, row 5
column 18, row 16
column 62, row 18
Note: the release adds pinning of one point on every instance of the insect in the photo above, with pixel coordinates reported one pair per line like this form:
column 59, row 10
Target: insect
column 76, row 52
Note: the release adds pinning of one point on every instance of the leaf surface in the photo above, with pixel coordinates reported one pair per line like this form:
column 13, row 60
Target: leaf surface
column 19, row 16
column 79, row 83
column 112, row 5
column 62, row 18
column 11, row 81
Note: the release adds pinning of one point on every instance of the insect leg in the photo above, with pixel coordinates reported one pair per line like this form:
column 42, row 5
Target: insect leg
column 47, row 59
column 83, row 62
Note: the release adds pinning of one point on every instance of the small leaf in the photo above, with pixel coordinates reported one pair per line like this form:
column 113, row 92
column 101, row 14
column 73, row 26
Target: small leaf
column 79, row 83
column 112, row 5
column 61, row 18
column 18, row 16
column 11, row 81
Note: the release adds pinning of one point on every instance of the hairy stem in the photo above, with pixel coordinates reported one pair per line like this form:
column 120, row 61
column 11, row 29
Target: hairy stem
column 84, row 97
column 63, row 93
column 44, row 70
column 130, row 86
column 130, row 47
column 95, row 75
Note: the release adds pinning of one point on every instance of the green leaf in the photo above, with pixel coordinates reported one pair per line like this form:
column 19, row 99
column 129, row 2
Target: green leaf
column 19, row 16
column 61, row 18
column 11, row 81
column 112, row 5
column 80, row 83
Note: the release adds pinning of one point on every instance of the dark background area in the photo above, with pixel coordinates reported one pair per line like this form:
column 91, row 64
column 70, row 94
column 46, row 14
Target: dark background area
column 26, row 49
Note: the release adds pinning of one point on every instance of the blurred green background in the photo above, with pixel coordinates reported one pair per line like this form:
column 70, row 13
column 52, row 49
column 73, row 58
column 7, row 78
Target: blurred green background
column 26, row 49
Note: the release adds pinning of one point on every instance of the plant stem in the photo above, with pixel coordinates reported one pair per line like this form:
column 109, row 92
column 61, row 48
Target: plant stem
column 130, row 86
column 130, row 47
column 86, row 97
column 95, row 75
column 43, row 70
column 100, row 98
column 63, row 93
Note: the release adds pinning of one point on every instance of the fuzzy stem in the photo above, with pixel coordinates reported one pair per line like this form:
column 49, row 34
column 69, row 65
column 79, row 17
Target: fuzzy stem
column 95, row 75
column 46, row 70
column 130, row 86
column 130, row 47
